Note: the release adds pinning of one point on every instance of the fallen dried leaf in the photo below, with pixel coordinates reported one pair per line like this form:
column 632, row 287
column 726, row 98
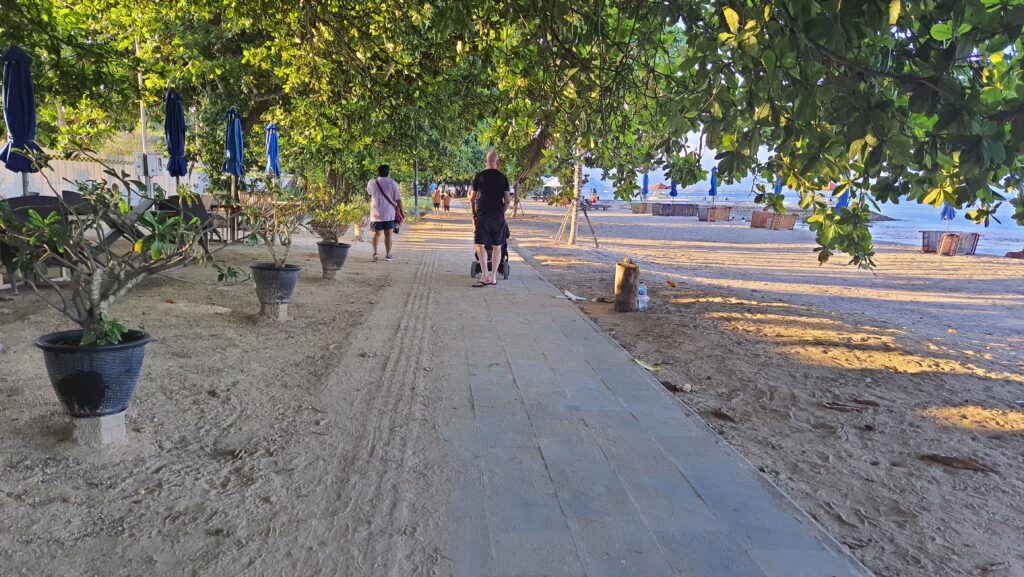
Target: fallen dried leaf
column 171, row 301
column 647, row 365
column 957, row 462
column 671, row 284
column 841, row 407
column 719, row 413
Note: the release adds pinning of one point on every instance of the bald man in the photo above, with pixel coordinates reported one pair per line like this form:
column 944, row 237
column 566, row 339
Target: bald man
column 489, row 195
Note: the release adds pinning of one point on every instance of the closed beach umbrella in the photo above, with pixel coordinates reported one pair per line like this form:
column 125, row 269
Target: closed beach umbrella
column 714, row 184
column 174, row 135
column 843, row 202
column 948, row 213
column 273, row 151
column 19, row 114
column 233, row 147
column 778, row 186
column 643, row 191
column 672, row 191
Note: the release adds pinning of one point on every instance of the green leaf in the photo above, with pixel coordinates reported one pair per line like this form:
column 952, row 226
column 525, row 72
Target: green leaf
column 941, row 32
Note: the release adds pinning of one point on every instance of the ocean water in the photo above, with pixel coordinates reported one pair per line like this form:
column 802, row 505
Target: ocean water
column 910, row 218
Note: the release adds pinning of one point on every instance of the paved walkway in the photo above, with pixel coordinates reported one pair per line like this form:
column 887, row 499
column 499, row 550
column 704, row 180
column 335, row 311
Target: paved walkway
column 572, row 460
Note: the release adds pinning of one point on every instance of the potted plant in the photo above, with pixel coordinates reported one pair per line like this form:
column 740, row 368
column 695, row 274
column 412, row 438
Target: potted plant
column 105, row 249
column 270, row 216
column 330, row 218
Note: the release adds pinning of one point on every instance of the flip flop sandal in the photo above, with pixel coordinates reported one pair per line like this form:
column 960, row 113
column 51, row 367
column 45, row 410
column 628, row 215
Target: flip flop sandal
column 375, row 258
column 480, row 284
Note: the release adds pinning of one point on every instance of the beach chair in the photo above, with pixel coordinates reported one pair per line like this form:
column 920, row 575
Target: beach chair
column 783, row 222
column 968, row 243
column 20, row 207
column 218, row 215
column 949, row 244
column 760, row 219
column 173, row 204
column 126, row 228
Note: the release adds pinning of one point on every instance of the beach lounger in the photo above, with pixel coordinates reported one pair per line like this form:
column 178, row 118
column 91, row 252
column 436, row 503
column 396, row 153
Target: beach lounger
column 783, row 222
column 949, row 244
column 126, row 228
column 760, row 219
column 968, row 243
column 713, row 213
column 20, row 207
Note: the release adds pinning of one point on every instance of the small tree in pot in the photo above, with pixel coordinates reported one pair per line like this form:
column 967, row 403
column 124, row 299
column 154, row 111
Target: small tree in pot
column 270, row 216
column 106, row 249
column 330, row 218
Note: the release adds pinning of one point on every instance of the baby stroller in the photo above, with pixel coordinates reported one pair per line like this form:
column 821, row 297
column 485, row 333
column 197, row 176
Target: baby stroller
column 474, row 269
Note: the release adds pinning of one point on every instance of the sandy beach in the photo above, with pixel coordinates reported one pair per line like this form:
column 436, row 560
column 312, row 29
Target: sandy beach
column 262, row 448
column 835, row 382
column 255, row 447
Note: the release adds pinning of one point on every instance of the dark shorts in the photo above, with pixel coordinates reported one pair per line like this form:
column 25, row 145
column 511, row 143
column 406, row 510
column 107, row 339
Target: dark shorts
column 492, row 231
column 382, row 225
column 446, row 207
column 437, row 205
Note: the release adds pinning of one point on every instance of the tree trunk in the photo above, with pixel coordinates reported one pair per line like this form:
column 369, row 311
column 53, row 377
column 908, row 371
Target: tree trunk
column 627, row 286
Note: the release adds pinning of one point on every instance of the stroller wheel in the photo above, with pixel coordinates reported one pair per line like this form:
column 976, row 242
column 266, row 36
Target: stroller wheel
column 503, row 269
column 474, row 269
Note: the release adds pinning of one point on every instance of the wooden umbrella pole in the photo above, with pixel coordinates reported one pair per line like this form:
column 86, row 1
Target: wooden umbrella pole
column 592, row 233
column 561, row 229
column 233, row 230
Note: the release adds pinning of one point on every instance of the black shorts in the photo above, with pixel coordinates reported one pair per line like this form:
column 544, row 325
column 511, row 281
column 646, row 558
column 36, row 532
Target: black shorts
column 491, row 231
column 437, row 205
column 382, row 225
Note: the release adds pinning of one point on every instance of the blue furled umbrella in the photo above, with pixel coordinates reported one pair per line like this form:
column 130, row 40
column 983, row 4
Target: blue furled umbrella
column 643, row 191
column 778, row 186
column 672, row 191
column 233, row 147
column 714, row 184
column 273, row 151
column 174, row 135
column 19, row 114
column 948, row 213
column 843, row 202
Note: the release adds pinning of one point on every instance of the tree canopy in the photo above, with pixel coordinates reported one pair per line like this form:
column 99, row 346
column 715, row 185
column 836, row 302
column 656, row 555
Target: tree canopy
column 893, row 100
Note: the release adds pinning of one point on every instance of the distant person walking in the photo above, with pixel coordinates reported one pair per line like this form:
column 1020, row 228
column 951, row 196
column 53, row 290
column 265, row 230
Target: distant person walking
column 385, row 209
column 489, row 197
column 435, row 198
column 446, row 200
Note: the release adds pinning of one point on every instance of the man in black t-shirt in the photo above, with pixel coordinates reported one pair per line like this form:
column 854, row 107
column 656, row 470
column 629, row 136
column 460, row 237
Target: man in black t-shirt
column 489, row 196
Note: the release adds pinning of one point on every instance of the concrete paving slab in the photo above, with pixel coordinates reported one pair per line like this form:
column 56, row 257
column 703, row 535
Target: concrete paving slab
column 580, row 463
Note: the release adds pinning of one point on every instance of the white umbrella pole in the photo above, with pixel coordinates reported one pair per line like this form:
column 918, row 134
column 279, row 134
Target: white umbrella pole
column 24, row 184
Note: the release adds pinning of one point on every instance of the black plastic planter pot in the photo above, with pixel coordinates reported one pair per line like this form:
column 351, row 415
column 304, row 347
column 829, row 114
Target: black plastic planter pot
column 93, row 381
column 274, row 288
column 332, row 257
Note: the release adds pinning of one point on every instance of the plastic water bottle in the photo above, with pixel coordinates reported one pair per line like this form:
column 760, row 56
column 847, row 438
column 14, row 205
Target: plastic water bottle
column 642, row 298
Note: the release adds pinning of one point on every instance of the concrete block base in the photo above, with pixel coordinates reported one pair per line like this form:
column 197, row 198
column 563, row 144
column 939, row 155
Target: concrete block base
column 274, row 311
column 99, row 431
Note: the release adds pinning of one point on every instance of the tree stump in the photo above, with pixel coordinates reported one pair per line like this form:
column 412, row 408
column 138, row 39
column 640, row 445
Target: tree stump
column 627, row 286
